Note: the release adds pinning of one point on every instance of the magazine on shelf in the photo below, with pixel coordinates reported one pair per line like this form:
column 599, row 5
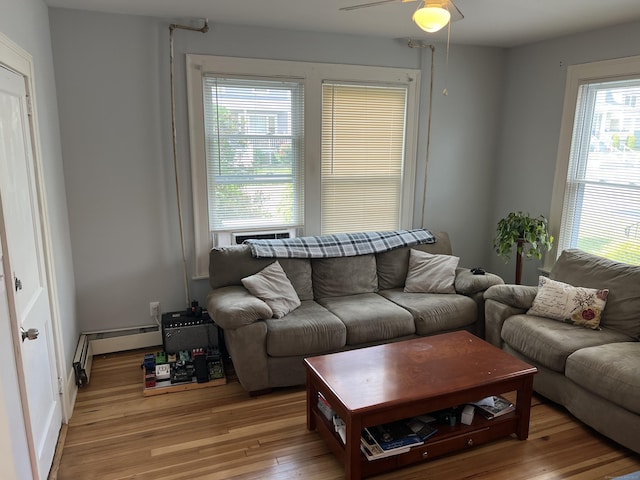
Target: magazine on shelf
column 394, row 435
column 373, row 451
column 494, row 406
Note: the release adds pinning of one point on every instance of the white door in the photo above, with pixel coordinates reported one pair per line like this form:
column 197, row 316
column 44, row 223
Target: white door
column 25, row 276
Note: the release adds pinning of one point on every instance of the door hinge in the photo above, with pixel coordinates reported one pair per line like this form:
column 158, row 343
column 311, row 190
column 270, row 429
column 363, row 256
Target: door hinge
column 59, row 385
column 29, row 105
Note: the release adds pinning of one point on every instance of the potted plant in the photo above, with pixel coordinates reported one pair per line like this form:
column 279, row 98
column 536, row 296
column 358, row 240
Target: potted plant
column 529, row 234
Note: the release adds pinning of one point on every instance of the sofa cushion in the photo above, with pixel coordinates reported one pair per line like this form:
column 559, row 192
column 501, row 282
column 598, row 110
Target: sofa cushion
column 229, row 265
column 272, row 286
column 435, row 312
column 577, row 305
column 428, row 273
column 549, row 342
column 369, row 317
column 310, row 329
column 393, row 265
column 298, row 271
column 338, row 276
column 576, row 267
column 610, row 371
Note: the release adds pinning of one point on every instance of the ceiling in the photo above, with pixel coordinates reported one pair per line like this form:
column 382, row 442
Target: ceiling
column 500, row 23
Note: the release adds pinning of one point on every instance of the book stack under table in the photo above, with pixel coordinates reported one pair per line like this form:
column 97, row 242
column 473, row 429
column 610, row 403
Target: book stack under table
column 395, row 438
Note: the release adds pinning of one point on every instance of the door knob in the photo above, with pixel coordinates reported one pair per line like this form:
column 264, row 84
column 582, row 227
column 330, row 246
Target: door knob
column 30, row 334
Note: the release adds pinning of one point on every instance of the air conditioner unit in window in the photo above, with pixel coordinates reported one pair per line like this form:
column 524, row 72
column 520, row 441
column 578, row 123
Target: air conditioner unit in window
column 240, row 237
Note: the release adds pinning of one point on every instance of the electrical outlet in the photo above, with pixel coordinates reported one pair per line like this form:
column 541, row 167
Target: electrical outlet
column 154, row 309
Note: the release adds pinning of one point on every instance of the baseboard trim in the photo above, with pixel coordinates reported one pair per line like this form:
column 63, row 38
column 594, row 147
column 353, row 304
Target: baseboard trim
column 121, row 343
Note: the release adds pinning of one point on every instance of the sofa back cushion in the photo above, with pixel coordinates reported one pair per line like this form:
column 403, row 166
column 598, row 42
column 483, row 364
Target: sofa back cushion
column 582, row 269
column 392, row 266
column 229, row 265
column 339, row 276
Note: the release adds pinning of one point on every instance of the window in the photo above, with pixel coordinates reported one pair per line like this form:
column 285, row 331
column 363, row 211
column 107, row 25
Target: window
column 254, row 153
column 298, row 148
column 600, row 208
column 363, row 131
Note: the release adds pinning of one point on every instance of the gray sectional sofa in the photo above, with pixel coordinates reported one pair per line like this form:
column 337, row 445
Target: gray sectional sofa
column 345, row 303
column 594, row 373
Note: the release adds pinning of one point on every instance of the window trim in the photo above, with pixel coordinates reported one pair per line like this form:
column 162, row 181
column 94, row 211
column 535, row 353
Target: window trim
column 313, row 74
column 617, row 68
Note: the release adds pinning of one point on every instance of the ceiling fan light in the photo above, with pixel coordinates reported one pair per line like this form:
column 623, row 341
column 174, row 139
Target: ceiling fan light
column 431, row 18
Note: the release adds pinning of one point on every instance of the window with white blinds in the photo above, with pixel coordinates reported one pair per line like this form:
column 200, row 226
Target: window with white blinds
column 254, row 136
column 601, row 207
column 363, row 146
column 298, row 148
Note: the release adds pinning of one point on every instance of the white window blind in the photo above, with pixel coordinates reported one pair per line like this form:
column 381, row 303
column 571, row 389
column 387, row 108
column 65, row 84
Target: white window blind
column 601, row 208
column 254, row 135
column 363, row 147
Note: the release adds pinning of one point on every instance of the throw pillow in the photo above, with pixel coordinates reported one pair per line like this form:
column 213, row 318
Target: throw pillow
column 429, row 273
column 577, row 305
column 272, row 286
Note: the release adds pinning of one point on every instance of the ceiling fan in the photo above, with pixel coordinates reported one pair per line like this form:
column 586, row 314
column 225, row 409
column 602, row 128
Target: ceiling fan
column 431, row 15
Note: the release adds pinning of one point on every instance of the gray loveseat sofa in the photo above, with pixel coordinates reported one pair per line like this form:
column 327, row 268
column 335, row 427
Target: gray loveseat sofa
column 595, row 374
column 346, row 302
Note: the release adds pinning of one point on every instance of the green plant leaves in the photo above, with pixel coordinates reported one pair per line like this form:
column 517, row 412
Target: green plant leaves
column 522, row 229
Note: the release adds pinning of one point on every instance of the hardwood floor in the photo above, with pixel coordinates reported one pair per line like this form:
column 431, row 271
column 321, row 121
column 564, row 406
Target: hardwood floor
column 221, row 433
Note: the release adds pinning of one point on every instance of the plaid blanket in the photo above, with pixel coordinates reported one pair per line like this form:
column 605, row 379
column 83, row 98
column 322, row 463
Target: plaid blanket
column 339, row 245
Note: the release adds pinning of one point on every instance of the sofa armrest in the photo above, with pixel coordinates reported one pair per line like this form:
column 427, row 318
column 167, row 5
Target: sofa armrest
column 467, row 283
column 501, row 302
column 517, row 296
column 233, row 307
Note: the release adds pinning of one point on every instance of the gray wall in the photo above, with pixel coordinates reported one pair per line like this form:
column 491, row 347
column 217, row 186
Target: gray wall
column 533, row 100
column 112, row 73
column 493, row 144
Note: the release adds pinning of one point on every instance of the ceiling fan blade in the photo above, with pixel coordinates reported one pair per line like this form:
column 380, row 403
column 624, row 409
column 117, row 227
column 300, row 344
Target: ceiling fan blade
column 372, row 4
column 455, row 12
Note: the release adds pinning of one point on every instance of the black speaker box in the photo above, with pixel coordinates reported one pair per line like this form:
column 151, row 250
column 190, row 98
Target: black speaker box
column 181, row 331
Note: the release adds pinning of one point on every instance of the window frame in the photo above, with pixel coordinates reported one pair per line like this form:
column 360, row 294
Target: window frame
column 615, row 69
column 312, row 74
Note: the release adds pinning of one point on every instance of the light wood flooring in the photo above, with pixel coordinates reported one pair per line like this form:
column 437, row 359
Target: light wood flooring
column 221, row 433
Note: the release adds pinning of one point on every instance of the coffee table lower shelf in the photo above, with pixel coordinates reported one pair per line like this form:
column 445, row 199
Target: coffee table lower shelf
column 447, row 440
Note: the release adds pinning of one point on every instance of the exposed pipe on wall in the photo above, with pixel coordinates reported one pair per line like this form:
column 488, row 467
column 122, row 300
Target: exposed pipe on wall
column 413, row 44
column 172, row 27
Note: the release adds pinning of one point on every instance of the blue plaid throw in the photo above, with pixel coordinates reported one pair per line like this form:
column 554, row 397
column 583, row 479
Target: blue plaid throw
column 339, row 245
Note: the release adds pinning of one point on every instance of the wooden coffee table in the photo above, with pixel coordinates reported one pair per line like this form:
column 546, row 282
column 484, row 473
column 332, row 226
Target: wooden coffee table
column 385, row 383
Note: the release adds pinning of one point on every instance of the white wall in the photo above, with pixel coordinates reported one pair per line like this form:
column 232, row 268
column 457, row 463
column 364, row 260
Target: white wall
column 534, row 95
column 112, row 73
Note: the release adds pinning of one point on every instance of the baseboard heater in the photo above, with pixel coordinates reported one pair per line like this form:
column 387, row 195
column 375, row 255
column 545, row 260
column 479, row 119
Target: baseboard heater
column 82, row 361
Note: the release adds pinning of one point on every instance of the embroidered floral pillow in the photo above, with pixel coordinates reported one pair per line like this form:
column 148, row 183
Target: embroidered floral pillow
column 561, row 301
